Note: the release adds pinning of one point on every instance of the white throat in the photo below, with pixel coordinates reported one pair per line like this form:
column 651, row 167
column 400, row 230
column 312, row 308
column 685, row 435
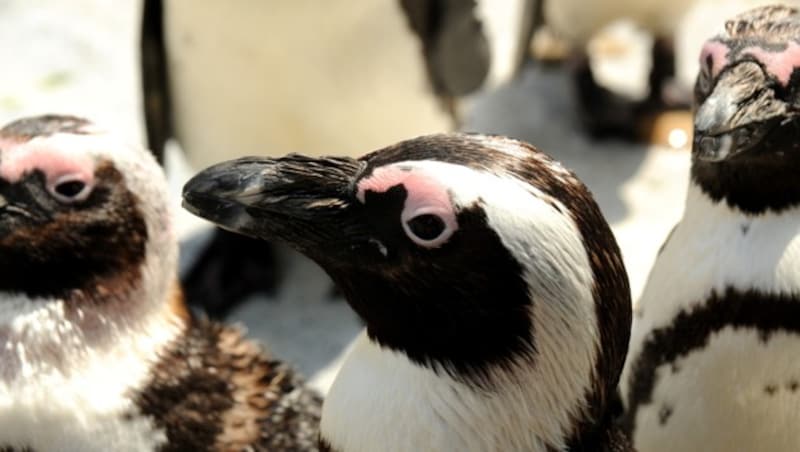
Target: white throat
column 63, row 395
column 381, row 400
column 714, row 247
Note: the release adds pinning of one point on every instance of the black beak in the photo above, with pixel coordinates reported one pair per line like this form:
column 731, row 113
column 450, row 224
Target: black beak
column 715, row 147
column 21, row 206
column 307, row 202
column 738, row 114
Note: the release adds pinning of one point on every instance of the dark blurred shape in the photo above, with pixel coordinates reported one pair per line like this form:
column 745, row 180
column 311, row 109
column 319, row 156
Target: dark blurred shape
column 453, row 43
column 231, row 267
column 155, row 81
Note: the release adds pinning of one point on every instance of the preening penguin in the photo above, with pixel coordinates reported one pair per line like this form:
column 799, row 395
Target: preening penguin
column 496, row 304
column 97, row 350
column 713, row 363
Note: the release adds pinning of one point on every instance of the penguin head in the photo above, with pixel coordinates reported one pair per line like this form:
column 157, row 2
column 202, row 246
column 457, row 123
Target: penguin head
column 472, row 255
column 85, row 231
column 747, row 111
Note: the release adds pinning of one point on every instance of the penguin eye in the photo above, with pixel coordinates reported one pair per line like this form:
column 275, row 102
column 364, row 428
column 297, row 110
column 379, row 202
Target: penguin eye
column 70, row 189
column 427, row 229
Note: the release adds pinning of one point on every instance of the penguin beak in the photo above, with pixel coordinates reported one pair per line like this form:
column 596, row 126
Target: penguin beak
column 307, row 202
column 19, row 208
column 738, row 115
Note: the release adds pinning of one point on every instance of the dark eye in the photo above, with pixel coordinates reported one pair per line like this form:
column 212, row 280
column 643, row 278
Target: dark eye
column 70, row 189
column 426, row 227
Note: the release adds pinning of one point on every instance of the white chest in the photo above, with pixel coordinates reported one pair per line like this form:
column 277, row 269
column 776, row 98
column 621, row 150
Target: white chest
column 58, row 394
column 738, row 390
column 79, row 413
column 382, row 401
column 714, row 248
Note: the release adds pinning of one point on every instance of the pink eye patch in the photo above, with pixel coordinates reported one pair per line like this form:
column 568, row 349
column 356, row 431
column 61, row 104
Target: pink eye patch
column 425, row 196
column 56, row 165
column 717, row 52
column 780, row 64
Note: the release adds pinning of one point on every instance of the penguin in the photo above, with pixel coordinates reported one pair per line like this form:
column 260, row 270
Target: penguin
column 604, row 110
column 471, row 46
column 716, row 332
column 226, row 79
column 97, row 350
column 496, row 303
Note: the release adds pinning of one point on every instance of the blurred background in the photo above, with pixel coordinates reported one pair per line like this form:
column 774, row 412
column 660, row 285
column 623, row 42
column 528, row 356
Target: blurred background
column 603, row 86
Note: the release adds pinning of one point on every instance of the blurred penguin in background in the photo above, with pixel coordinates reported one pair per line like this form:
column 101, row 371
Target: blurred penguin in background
column 674, row 31
column 607, row 37
column 245, row 77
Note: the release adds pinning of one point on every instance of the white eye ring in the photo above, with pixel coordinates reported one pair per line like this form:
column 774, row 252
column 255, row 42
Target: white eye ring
column 436, row 214
column 70, row 188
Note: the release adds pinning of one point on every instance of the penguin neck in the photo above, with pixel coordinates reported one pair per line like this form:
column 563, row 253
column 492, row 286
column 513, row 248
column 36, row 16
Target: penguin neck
column 728, row 248
column 703, row 208
column 761, row 183
column 63, row 336
column 73, row 369
column 381, row 400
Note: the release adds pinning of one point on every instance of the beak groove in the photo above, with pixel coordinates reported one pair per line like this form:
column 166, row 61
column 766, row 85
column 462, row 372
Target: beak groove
column 271, row 197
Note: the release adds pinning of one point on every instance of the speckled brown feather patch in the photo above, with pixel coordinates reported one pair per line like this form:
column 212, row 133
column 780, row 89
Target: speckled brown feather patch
column 27, row 128
column 768, row 21
column 215, row 391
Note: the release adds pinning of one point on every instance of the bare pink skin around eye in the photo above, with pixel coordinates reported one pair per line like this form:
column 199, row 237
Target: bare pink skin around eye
column 779, row 64
column 19, row 159
column 425, row 194
column 719, row 56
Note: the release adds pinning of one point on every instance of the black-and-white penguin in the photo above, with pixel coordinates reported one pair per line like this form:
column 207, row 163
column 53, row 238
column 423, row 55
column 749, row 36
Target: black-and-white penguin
column 470, row 46
column 713, row 359
column 97, row 350
column 496, row 304
column 233, row 78
column 230, row 78
column 606, row 106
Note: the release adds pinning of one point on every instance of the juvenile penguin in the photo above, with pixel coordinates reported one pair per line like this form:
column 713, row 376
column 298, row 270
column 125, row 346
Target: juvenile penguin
column 713, row 360
column 496, row 304
column 97, row 350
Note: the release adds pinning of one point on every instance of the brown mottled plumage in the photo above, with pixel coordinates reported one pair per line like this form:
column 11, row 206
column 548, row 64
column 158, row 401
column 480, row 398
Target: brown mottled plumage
column 215, row 390
column 772, row 23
